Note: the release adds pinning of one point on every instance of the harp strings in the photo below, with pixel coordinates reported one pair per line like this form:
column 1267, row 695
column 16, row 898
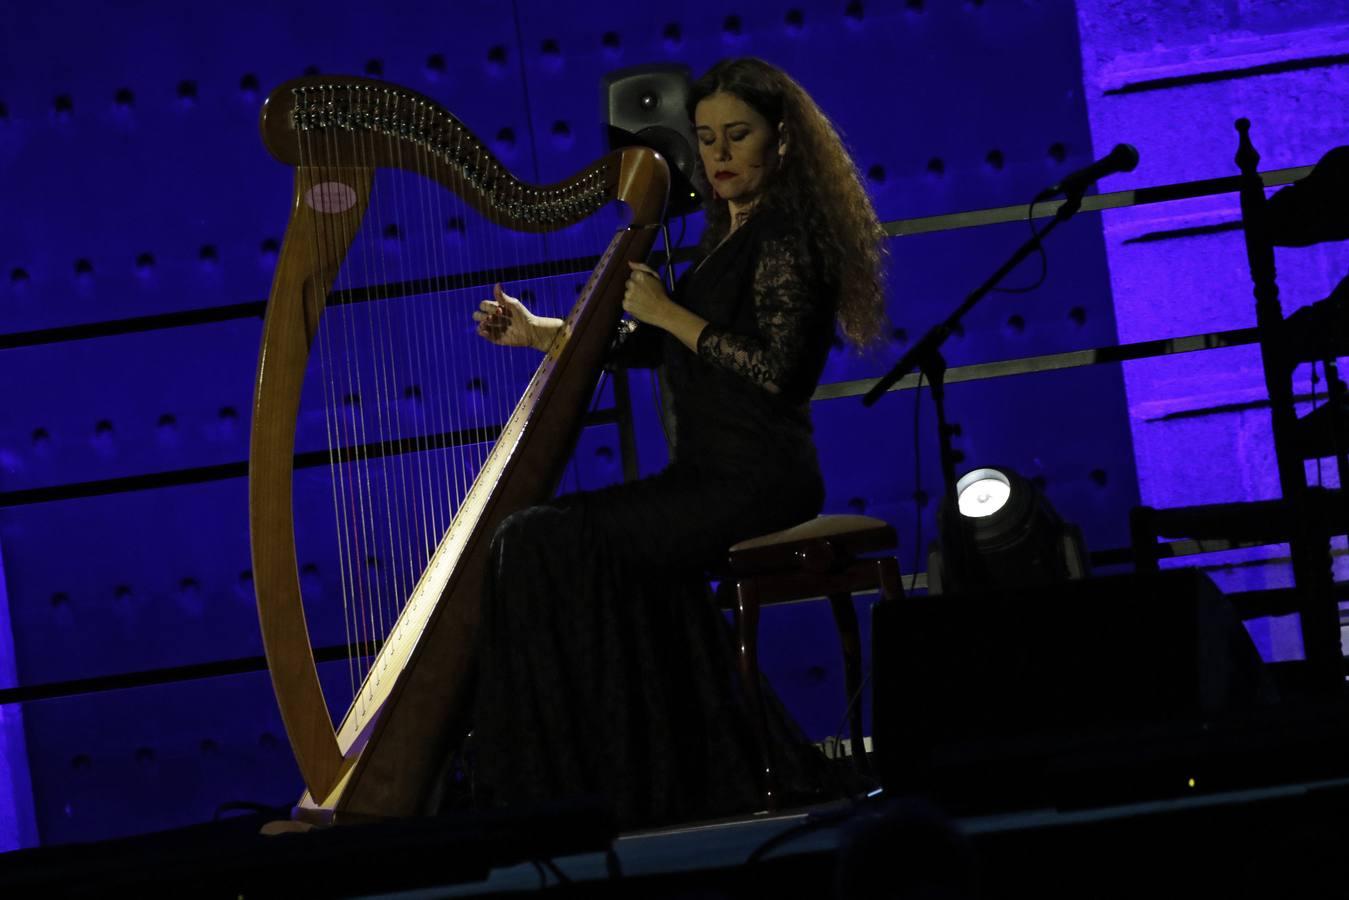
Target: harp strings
column 409, row 392
column 326, row 250
column 356, row 321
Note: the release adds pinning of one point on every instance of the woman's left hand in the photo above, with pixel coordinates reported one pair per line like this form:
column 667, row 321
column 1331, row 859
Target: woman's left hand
column 644, row 297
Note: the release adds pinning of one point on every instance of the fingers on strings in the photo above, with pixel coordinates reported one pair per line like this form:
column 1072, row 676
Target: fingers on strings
column 493, row 318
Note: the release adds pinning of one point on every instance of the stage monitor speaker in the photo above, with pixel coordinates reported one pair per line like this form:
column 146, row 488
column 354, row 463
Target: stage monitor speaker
column 987, row 701
column 646, row 105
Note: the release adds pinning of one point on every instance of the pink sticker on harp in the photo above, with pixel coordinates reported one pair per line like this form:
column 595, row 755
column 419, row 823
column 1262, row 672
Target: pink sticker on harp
column 330, row 197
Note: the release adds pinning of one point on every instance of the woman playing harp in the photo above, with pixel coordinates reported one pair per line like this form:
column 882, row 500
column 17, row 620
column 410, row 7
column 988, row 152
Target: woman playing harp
column 604, row 668
column 364, row 345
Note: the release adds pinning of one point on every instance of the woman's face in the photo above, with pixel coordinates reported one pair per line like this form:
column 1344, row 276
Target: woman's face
column 738, row 146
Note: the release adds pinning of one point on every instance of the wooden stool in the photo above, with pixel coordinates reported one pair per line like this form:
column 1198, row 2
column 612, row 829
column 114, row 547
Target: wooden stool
column 822, row 557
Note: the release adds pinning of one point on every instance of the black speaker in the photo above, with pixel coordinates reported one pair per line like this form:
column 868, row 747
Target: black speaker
column 645, row 105
column 1065, row 694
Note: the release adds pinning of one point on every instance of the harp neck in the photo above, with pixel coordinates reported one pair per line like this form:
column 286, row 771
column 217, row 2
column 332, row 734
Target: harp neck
column 333, row 121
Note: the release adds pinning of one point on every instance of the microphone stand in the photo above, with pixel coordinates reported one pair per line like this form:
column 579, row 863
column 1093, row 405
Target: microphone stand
column 926, row 356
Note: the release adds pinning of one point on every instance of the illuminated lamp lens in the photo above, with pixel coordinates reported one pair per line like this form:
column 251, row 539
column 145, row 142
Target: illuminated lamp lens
column 982, row 492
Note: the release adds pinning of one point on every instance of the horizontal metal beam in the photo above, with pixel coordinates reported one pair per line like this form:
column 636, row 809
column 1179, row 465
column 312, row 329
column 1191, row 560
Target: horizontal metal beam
column 487, row 277
column 1051, row 362
column 312, row 459
column 168, row 675
column 1185, row 190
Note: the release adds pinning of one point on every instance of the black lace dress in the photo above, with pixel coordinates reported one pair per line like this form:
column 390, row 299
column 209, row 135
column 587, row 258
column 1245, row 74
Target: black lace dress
column 604, row 666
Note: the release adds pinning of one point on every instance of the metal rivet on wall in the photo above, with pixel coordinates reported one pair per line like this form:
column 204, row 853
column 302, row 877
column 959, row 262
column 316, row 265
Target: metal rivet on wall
column 876, row 174
column 311, row 585
column 190, row 598
column 731, row 28
column 40, row 437
column 84, row 270
column 936, row 166
column 672, row 35
column 208, row 256
column 854, row 12
column 995, row 160
column 187, row 92
column 63, row 107
column 267, row 252
column 496, row 59
column 1016, row 324
column 435, row 67
column 611, row 42
column 124, row 98
column 1058, row 152
column 794, row 21
column 243, row 586
column 145, row 264
column 249, row 86
column 18, row 277
column 1098, row 477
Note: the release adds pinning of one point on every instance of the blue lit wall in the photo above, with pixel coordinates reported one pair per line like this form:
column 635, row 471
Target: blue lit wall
column 134, row 183
column 1171, row 79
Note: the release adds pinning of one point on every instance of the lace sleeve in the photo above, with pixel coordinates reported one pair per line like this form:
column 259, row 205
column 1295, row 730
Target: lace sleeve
column 635, row 346
column 786, row 311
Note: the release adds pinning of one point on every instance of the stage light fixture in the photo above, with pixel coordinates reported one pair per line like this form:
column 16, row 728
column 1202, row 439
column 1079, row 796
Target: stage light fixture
column 1002, row 532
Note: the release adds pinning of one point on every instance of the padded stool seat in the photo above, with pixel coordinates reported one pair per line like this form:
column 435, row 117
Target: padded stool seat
column 824, row 557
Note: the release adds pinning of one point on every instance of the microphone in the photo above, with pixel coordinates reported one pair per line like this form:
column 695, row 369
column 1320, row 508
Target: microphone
column 1122, row 159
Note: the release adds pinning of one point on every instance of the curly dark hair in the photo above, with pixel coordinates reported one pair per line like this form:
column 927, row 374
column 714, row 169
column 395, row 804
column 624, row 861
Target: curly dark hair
column 816, row 191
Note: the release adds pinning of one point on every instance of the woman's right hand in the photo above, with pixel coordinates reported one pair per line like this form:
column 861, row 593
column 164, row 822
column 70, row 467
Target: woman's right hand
column 504, row 320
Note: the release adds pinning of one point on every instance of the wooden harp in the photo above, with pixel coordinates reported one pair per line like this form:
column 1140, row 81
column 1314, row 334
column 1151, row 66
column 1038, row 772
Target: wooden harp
column 340, row 134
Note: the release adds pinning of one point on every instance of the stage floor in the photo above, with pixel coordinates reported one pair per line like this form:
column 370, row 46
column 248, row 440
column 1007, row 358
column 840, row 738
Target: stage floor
column 1010, row 847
